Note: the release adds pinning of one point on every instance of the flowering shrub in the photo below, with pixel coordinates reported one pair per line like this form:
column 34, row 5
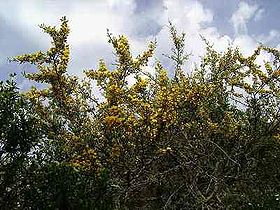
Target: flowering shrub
column 206, row 140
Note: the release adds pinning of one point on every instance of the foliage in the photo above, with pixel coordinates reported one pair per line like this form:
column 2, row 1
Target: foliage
column 206, row 140
column 18, row 136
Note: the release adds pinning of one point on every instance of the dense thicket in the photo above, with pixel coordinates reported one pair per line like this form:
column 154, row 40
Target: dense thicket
column 208, row 139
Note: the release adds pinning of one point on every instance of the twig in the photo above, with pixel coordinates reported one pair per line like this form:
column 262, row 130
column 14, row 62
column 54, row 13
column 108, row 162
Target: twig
column 224, row 152
column 170, row 197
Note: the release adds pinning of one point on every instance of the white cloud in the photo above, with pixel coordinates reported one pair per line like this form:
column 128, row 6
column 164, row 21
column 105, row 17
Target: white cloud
column 193, row 18
column 187, row 14
column 90, row 19
column 246, row 43
column 262, row 59
column 242, row 15
column 259, row 15
column 270, row 37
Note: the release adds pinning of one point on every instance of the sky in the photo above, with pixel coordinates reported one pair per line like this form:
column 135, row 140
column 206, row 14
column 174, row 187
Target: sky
column 244, row 23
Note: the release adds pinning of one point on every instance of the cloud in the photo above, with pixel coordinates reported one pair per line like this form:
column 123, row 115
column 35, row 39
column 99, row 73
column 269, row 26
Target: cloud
column 193, row 18
column 272, row 36
column 141, row 22
column 242, row 15
column 187, row 14
column 259, row 15
column 88, row 21
column 246, row 43
column 243, row 39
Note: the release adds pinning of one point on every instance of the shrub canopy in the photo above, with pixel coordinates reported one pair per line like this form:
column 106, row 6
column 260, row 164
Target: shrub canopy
column 208, row 139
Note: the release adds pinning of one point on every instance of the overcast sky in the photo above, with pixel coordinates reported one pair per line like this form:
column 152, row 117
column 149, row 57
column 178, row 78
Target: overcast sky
column 243, row 23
